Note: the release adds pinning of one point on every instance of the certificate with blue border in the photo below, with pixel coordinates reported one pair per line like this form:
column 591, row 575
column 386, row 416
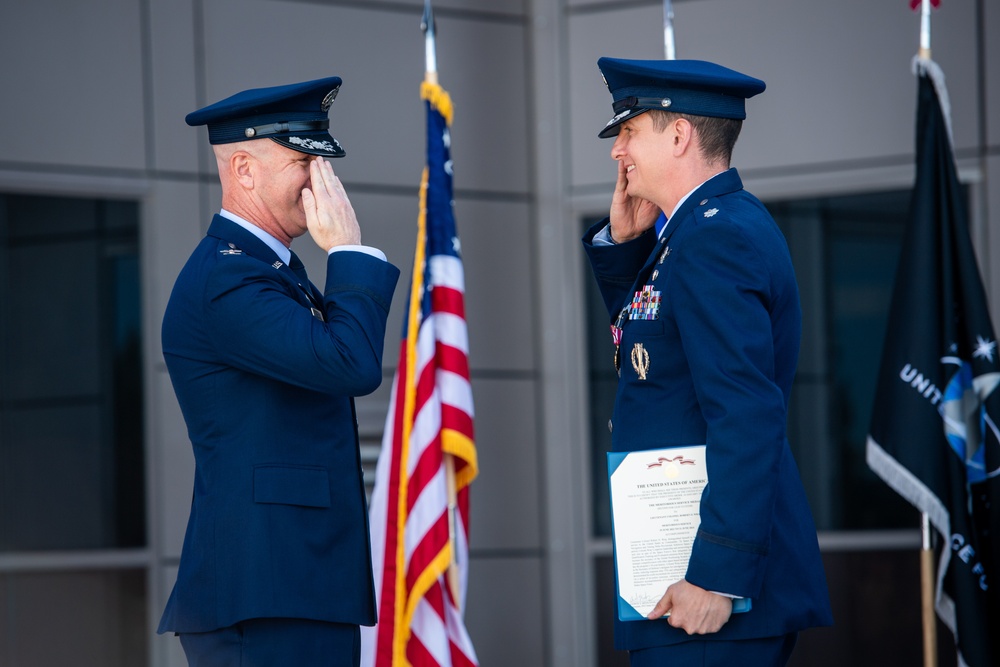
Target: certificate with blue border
column 655, row 503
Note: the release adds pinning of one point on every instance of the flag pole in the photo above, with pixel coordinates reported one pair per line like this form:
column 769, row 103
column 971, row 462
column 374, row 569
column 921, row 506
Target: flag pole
column 430, row 76
column 925, row 30
column 668, row 30
column 927, row 591
column 927, row 583
column 430, row 54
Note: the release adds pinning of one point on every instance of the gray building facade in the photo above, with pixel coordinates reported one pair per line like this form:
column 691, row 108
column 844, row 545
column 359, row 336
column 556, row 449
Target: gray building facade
column 104, row 191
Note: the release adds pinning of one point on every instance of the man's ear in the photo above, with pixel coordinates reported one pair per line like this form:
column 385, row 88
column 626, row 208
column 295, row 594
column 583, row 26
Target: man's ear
column 242, row 167
column 683, row 132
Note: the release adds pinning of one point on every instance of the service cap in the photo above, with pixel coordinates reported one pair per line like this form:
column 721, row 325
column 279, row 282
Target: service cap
column 294, row 115
column 693, row 87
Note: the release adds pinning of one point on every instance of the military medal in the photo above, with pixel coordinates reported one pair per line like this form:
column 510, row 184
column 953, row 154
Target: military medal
column 618, row 358
column 640, row 360
column 616, row 338
column 645, row 305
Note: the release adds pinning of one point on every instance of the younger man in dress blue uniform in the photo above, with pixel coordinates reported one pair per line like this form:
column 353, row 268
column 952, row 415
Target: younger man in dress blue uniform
column 276, row 566
column 699, row 284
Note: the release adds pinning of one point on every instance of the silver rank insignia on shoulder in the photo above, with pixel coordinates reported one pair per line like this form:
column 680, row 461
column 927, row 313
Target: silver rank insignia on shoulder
column 710, row 212
column 640, row 360
column 232, row 250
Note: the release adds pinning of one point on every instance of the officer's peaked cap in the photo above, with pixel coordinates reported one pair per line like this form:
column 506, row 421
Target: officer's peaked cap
column 295, row 115
column 693, row 87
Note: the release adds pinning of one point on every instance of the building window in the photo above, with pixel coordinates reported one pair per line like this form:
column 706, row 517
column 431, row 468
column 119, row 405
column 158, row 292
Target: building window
column 72, row 473
column 845, row 250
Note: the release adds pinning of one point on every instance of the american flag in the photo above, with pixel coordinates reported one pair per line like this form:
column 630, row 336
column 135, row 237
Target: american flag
column 420, row 503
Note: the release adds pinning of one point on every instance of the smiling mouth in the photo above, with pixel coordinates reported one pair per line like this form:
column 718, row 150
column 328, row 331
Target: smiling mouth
column 629, row 168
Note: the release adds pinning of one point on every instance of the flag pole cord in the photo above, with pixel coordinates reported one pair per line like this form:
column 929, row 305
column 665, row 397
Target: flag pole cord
column 927, row 592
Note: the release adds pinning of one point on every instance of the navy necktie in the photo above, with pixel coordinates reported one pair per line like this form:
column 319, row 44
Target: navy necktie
column 296, row 265
column 299, row 269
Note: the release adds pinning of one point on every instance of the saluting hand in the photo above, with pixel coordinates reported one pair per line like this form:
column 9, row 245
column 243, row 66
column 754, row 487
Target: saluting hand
column 330, row 217
column 692, row 609
column 630, row 216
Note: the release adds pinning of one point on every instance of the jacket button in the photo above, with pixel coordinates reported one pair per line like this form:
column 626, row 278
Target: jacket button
column 610, row 426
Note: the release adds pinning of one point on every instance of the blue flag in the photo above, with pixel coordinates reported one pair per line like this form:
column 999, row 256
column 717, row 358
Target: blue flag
column 934, row 436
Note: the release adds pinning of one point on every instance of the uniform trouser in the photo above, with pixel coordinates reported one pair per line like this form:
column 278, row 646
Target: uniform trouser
column 766, row 652
column 275, row 642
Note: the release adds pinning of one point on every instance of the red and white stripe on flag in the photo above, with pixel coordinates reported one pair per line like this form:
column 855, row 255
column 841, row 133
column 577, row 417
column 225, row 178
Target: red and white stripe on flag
column 915, row 4
column 419, row 512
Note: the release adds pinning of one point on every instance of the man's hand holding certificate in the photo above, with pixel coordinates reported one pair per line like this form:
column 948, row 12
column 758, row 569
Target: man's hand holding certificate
column 655, row 502
column 693, row 609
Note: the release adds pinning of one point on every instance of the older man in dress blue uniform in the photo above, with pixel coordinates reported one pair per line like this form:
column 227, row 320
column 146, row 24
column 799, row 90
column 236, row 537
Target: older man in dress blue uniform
column 276, row 567
column 705, row 312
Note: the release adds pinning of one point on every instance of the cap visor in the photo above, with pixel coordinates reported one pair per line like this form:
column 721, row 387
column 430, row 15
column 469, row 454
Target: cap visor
column 612, row 129
column 312, row 144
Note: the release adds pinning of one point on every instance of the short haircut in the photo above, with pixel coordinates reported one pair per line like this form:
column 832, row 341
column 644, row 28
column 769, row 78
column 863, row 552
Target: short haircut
column 716, row 136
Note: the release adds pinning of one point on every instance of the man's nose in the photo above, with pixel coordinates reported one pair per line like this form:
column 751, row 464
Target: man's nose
column 618, row 148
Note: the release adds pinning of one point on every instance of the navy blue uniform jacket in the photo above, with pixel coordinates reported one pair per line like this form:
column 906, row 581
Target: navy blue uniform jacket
column 278, row 524
column 722, row 355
